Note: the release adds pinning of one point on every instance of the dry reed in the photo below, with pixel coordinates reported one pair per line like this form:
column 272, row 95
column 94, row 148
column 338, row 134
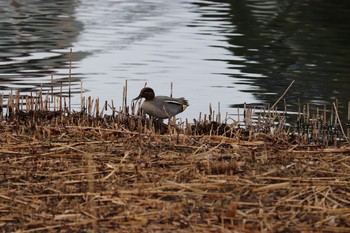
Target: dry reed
column 66, row 171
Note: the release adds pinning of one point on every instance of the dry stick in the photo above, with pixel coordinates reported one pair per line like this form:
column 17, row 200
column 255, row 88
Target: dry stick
column 171, row 89
column 210, row 112
column 36, row 101
column 61, row 98
column 81, row 96
column 65, row 104
column 70, row 77
column 299, row 110
column 18, row 96
column 335, row 116
column 51, row 87
column 113, row 108
column 1, row 106
column 308, row 113
column 41, row 97
column 341, row 126
column 54, row 103
column 218, row 118
column 32, row 101
column 89, row 105
column 245, row 114
column 285, row 92
column 27, row 105
column 125, row 97
column 48, row 104
column 97, row 107
column 9, row 105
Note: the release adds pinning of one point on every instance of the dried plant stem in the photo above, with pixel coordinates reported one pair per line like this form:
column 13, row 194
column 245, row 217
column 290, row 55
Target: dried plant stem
column 340, row 124
column 284, row 93
column 70, row 78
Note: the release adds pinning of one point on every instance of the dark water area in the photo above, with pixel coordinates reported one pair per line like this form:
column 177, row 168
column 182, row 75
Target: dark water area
column 227, row 52
column 306, row 41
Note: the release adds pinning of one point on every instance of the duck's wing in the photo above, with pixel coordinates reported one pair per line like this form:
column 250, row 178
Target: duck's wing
column 178, row 101
column 171, row 106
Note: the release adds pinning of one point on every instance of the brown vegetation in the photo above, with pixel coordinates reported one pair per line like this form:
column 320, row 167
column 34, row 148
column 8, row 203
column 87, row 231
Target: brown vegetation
column 64, row 172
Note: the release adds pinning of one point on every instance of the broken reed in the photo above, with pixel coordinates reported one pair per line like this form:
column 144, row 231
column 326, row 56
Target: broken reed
column 320, row 126
column 317, row 126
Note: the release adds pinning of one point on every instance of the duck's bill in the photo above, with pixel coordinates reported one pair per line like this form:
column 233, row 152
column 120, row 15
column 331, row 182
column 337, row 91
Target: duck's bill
column 138, row 97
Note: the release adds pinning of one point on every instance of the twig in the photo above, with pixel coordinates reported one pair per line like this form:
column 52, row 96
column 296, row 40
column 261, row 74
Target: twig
column 341, row 126
column 285, row 92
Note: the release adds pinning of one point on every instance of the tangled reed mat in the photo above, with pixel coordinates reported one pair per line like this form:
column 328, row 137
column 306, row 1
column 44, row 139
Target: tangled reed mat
column 62, row 173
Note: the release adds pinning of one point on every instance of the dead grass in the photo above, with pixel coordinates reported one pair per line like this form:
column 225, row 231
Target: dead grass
column 62, row 173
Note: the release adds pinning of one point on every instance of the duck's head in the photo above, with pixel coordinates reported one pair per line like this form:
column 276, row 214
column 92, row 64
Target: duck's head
column 146, row 93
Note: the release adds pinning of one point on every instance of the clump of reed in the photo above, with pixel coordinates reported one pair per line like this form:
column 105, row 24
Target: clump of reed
column 87, row 171
column 320, row 128
column 101, row 168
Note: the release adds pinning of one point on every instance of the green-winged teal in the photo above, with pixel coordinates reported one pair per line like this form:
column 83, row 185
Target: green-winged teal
column 161, row 106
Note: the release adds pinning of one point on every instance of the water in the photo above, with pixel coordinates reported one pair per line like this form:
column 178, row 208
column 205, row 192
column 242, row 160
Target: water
column 227, row 52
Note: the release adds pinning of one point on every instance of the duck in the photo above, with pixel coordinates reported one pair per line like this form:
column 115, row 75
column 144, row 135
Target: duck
column 161, row 107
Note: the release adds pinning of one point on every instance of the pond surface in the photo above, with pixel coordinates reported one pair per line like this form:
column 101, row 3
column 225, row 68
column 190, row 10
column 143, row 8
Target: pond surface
column 227, row 52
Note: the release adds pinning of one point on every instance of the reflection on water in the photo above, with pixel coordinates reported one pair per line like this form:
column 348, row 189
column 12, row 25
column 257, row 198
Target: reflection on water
column 306, row 41
column 213, row 51
column 35, row 36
